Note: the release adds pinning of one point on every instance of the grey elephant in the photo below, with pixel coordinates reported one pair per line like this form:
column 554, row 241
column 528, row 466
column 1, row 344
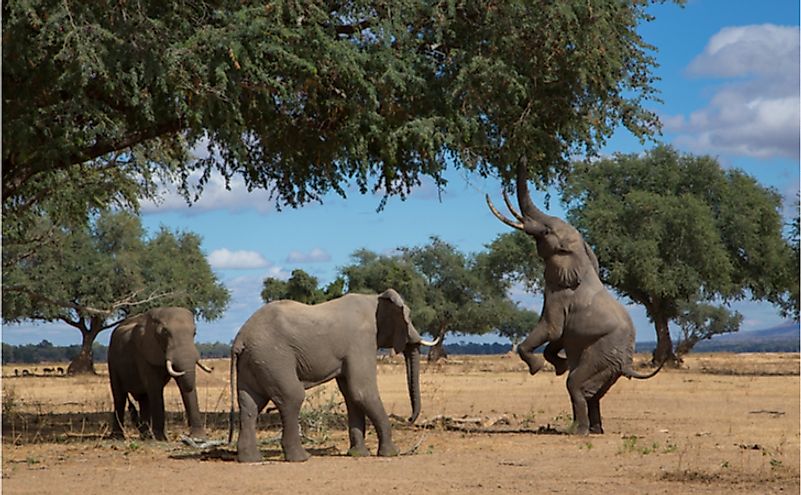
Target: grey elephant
column 287, row 347
column 579, row 315
column 145, row 352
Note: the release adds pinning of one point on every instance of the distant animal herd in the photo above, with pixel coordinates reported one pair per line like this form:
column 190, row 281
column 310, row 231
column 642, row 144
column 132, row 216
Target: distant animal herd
column 35, row 372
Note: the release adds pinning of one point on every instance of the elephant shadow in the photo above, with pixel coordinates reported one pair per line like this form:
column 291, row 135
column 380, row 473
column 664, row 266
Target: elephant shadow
column 228, row 454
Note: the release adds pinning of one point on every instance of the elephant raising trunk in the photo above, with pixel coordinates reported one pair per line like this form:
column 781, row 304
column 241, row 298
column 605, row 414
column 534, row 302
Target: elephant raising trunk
column 578, row 313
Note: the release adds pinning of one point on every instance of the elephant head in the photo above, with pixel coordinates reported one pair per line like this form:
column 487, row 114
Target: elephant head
column 568, row 258
column 166, row 337
column 396, row 331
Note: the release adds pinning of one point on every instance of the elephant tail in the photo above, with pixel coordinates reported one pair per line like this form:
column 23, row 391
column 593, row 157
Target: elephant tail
column 234, row 355
column 629, row 372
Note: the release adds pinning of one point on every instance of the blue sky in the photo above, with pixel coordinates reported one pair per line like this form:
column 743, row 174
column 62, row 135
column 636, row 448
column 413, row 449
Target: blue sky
column 730, row 88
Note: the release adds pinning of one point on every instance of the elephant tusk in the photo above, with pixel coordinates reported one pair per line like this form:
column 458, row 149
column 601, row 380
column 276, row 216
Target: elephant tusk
column 172, row 372
column 204, row 367
column 499, row 216
column 512, row 208
column 430, row 344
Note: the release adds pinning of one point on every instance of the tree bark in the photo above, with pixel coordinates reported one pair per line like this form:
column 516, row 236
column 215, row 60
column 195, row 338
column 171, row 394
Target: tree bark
column 84, row 361
column 664, row 345
column 438, row 351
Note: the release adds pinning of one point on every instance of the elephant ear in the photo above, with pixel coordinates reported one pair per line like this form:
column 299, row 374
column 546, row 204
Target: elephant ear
column 395, row 328
column 148, row 341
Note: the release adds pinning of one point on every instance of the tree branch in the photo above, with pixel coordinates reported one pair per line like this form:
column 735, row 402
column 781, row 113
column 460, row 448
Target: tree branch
column 88, row 310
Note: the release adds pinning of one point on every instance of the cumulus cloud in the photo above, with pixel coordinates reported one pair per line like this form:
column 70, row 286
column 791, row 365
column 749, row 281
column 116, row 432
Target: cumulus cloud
column 316, row 255
column 755, row 111
column 237, row 260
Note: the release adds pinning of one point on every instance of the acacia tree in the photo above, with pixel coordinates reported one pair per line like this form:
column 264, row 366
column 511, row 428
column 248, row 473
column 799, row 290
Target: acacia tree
column 670, row 229
column 95, row 276
column 301, row 98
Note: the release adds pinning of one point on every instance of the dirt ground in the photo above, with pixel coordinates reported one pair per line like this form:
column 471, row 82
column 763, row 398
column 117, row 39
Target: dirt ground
column 726, row 423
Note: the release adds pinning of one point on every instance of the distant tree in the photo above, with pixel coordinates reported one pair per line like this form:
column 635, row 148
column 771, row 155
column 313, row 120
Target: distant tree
column 300, row 287
column 97, row 275
column 791, row 300
column 670, row 228
column 511, row 259
column 371, row 273
column 698, row 321
column 516, row 323
column 273, row 289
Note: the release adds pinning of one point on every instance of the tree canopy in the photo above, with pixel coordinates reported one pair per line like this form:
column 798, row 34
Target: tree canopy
column 302, row 98
column 94, row 276
column 670, row 229
column 300, row 287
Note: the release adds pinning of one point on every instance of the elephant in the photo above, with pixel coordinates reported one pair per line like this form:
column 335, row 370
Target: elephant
column 579, row 315
column 287, row 347
column 145, row 351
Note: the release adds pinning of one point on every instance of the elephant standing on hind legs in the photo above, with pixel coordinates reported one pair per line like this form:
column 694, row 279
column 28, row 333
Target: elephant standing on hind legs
column 579, row 315
column 145, row 352
column 287, row 347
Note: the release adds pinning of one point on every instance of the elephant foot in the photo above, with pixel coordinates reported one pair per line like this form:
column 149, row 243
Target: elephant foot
column 578, row 430
column 296, row 455
column 116, row 435
column 388, row 451
column 360, row 451
column 598, row 429
column 533, row 361
column 248, row 456
column 560, row 366
column 198, row 433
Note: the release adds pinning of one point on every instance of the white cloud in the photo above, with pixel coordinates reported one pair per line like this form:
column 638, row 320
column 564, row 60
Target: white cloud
column 756, row 111
column 316, row 255
column 215, row 196
column 227, row 259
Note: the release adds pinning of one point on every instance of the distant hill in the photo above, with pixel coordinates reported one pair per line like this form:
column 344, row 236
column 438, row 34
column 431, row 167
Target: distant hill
column 781, row 338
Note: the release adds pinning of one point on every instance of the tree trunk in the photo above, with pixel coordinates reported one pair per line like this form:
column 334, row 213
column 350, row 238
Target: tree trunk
column 438, row 351
column 664, row 345
column 84, row 361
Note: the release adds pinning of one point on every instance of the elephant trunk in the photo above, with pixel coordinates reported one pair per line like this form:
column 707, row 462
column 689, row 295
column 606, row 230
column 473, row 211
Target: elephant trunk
column 412, row 355
column 535, row 219
column 186, row 383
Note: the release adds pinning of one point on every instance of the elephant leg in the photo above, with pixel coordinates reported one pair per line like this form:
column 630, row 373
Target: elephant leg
column 143, row 422
column 120, row 398
column 575, row 387
column 364, row 393
column 250, row 405
column 607, row 378
column 594, row 411
column 288, row 401
column 156, row 399
column 356, row 423
column 536, row 338
column 551, row 354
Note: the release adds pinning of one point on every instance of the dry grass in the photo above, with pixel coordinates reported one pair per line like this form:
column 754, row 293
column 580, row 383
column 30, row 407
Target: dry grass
column 725, row 423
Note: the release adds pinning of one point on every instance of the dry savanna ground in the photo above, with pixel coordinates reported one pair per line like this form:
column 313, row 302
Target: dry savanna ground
column 726, row 423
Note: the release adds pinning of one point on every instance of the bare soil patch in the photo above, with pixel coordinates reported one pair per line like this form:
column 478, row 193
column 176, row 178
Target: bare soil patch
column 725, row 423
